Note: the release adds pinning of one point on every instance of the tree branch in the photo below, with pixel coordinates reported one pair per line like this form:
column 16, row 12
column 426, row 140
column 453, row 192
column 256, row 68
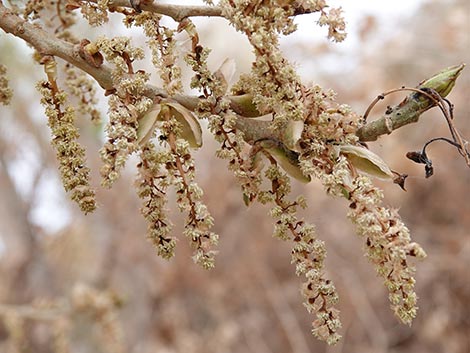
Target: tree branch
column 407, row 112
column 411, row 108
column 45, row 43
column 180, row 12
column 176, row 12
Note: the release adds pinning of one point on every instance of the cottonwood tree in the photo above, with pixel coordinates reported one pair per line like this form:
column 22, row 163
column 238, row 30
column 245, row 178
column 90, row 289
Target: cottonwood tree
column 308, row 135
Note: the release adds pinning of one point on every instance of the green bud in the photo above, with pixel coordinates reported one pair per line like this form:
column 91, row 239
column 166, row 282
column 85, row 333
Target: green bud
column 444, row 80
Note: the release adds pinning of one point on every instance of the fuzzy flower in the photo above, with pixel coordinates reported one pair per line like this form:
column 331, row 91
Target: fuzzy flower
column 387, row 240
column 181, row 169
column 96, row 13
column 388, row 246
column 223, row 124
column 82, row 87
column 335, row 22
column 74, row 173
column 152, row 188
column 164, row 49
column 273, row 82
column 5, row 91
column 126, row 105
column 308, row 255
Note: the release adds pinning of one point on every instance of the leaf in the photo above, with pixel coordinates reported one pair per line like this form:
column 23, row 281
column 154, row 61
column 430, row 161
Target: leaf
column 147, row 124
column 293, row 133
column 366, row 161
column 287, row 159
column 225, row 73
column 190, row 128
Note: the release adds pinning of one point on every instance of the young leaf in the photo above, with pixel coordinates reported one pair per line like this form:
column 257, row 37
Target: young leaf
column 147, row 124
column 287, row 159
column 293, row 133
column 225, row 73
column 190, row 128
column 366, row 161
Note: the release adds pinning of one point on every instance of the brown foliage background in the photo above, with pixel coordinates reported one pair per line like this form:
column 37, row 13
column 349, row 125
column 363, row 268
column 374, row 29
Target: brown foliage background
column 251, row 301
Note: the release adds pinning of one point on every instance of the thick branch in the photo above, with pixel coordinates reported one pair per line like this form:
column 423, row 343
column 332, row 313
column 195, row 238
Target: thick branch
column 407, row 112
column 177, row 12
column 180, row 12
column 46, row 44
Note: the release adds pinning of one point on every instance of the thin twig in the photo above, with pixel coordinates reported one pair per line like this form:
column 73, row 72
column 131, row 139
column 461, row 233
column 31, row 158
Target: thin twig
column 383, row 95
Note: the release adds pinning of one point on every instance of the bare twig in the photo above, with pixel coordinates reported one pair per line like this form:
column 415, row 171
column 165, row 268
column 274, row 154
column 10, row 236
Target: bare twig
column 411, row 108
column 434, row 99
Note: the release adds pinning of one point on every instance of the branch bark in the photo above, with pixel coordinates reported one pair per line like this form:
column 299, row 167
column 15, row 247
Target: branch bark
column 176, row 12
column 180, row 12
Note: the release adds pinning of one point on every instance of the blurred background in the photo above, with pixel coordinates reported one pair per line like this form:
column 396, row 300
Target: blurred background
column 93, row 283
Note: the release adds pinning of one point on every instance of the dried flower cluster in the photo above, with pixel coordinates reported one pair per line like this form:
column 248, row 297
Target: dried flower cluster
column 163, row 48
column 152, row 189
column 388, row 246
column 198, row 221
column 273, row 82
column 222, row 120
column 308, row 255
column 96, row 13
column 80, row 86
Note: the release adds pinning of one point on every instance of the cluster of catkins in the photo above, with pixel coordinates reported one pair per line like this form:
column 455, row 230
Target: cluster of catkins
column 309, row 136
